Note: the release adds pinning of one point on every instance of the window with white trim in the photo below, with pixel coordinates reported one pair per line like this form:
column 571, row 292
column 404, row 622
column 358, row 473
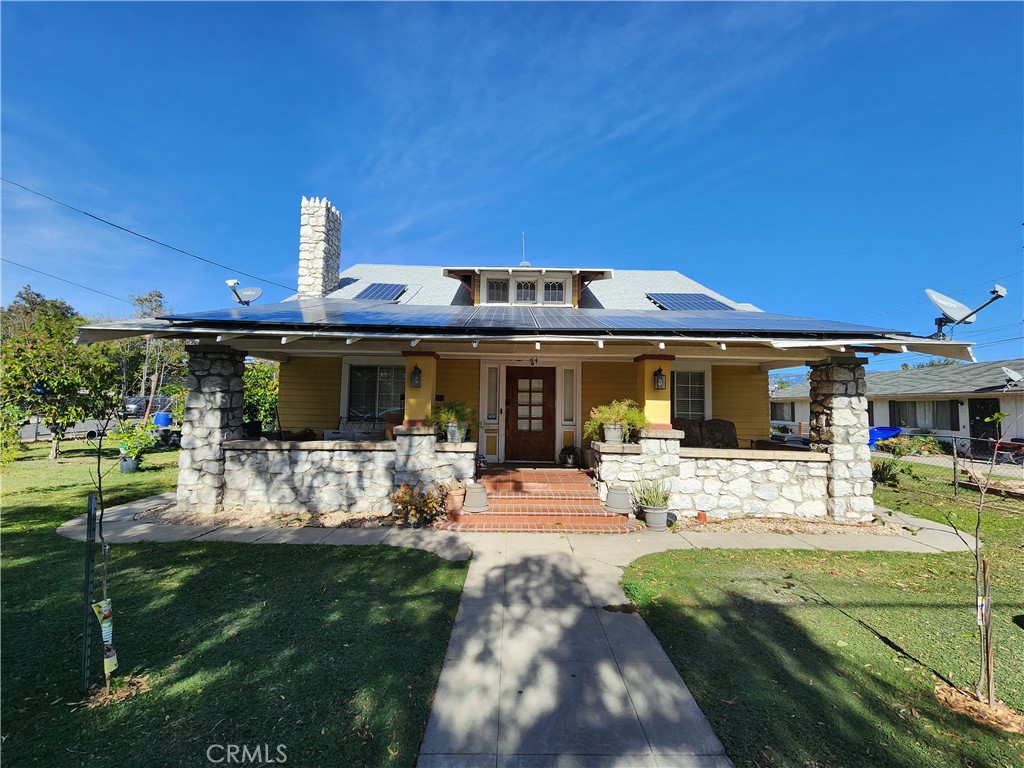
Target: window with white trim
column 375, row 390
column 497, row 291
column 688, row 395
column 537, row 290
column 783, row 411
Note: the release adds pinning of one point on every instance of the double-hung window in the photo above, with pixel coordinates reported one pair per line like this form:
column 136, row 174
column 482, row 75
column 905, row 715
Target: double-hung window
column 375, row 390
column 688, row 395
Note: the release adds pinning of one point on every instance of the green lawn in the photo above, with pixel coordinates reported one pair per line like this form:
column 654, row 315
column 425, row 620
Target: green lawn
column 333, row 652
column 810, row 659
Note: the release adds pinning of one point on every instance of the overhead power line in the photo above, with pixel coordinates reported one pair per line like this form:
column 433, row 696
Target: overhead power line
column 146, row 237
column 69, row 282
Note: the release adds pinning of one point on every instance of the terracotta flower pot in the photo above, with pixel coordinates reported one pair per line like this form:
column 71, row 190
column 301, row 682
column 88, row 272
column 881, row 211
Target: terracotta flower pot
column 453, row 502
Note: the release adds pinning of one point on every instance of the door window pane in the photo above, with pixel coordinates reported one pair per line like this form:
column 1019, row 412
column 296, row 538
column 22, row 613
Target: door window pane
column 492, row 394
column 537, row 385
column 524, row 425
column 568, row 394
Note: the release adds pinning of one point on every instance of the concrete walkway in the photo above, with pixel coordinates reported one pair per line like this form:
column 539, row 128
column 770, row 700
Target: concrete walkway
column 537, row 672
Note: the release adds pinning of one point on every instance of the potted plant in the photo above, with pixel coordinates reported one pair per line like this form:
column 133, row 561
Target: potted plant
column 569, row 455
column 453, row 419
column 454, row 492
column 134, row 439
column 652, row 497
column 618, row 419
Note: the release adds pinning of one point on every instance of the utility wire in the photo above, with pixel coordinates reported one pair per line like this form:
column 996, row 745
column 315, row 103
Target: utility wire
column 146, row 237
column 69, row 282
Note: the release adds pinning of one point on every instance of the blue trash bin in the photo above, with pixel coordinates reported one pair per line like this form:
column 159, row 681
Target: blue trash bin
column 162, row 419
column 881, row 433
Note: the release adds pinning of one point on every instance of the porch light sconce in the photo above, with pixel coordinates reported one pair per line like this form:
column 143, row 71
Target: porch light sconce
column 416, row 377
column 660, row 379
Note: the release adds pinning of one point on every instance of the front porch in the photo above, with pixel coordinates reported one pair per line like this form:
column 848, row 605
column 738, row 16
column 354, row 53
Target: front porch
column 543, row 409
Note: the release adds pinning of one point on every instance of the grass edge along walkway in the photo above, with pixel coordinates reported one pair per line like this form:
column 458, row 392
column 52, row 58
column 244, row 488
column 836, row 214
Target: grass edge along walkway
column 333, row 652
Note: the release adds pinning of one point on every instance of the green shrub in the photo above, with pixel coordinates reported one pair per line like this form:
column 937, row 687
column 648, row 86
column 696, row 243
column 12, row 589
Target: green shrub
column 135, row 438
column 415, row 508
column 888, row 471
column 651, row 493
column 625, row 413
column 10, row 443
column 455, row 410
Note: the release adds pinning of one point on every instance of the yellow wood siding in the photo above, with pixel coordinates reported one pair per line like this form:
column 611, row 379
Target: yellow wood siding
column 604, row 382
column 459, row 380
column 310, row 393
column 740, row 394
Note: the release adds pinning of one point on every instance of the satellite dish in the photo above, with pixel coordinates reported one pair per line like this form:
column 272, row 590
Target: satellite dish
column 1012, row 378
column 244, row 296
column 951, row 308
column 247, row 295
column 954, row 313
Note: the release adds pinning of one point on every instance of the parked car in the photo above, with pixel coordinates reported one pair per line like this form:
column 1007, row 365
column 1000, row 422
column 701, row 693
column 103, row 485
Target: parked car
column 135, row 407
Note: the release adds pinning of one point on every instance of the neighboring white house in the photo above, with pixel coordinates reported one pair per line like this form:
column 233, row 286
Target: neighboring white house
column 946, row 399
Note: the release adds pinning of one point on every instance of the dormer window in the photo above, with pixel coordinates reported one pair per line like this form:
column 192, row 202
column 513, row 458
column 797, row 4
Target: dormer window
column 554, row 292
column 497, row 291
column 528, row 290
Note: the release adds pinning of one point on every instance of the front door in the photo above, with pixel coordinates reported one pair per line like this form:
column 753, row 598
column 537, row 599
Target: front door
column 530, row 414
column 979, row 409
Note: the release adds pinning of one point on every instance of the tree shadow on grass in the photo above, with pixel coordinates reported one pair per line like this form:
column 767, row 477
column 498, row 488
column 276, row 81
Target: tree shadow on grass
column 331, row 651
column 777, row 697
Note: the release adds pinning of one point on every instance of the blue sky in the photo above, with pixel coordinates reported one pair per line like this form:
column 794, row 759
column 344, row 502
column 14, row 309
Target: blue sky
column 815, row 159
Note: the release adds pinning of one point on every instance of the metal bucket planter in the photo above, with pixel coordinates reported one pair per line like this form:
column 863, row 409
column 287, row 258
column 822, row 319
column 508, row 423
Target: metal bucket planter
column 128, row 464
column 656, row 518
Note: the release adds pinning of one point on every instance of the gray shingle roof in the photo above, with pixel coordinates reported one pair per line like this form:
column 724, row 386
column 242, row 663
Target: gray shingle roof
column 626, row 289
column 967, row 379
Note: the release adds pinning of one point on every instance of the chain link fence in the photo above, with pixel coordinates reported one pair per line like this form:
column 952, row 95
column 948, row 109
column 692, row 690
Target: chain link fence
column 950, row 465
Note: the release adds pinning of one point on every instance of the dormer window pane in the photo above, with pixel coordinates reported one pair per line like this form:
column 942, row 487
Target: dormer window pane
column 554, row 293
column 526, row 292
column 497, row 291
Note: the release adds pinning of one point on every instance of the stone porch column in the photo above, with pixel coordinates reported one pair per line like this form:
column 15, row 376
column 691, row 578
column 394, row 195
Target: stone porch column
column 213, row 415
column 839, row 427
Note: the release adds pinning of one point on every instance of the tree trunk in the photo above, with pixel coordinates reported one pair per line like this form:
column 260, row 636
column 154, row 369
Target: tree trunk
column 54, row 447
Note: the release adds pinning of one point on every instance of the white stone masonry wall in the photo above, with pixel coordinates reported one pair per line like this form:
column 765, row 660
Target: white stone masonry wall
column 213, row 415
column 722, row 487
column 839, row 426
column 319, row 247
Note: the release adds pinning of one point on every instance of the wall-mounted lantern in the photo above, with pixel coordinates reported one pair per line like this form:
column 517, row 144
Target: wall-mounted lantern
column 660, row 379
column 416, row 377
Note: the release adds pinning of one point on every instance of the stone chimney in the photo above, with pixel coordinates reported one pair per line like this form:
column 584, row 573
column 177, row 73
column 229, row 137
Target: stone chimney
column 319, row 247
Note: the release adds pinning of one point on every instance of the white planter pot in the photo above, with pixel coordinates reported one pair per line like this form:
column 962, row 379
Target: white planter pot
column 656, row 518
column 453, row 432
column 613, row 434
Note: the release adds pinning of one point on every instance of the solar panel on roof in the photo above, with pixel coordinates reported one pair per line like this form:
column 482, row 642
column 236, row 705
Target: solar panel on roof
column 339, row 314
column 685, row 302
column 381, row 291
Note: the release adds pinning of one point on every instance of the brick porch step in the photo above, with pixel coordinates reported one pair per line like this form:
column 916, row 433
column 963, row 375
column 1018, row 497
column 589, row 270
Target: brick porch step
column 492, row 523
column 528, row 500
